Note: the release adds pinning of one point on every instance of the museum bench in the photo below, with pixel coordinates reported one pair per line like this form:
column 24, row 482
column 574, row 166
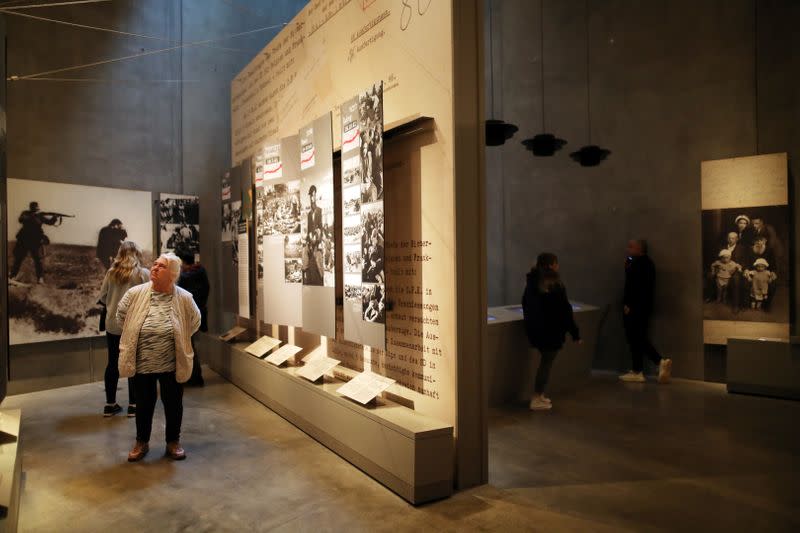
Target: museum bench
column 769, row 367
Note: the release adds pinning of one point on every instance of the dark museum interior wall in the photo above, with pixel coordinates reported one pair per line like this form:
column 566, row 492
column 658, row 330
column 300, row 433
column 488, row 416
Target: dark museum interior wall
column 672, row 84
column 144, row 130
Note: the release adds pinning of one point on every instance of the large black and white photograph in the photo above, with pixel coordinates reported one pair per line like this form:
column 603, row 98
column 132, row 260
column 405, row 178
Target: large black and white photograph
column 746, row 264
column 317, row 231
column 261, row 208
column 231, row 213
column 179, row 220
column 61, row 241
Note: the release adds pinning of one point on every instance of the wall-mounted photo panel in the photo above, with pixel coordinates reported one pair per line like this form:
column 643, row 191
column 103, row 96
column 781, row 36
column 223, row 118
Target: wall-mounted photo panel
column 318, row 255
column 746, row 248
column 279, row 224
column 179, row 222
column 61, row 241
column 363, row 218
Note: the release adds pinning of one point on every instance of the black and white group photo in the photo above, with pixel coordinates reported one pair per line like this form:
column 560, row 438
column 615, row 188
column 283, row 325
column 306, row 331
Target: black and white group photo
column 371, row 130
column 293, row 258
column 372, row 244
column 373, row 303
column 231, row 213
column 319, row 247
column 745, row 264
column 179, row 223
column 61, row 241
column 282, row 208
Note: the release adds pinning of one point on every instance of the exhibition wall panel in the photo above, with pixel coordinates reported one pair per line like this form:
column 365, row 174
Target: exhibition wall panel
column 427, row 56
column 307, row 71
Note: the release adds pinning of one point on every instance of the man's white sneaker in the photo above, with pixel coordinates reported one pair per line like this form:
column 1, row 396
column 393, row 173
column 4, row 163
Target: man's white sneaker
column 665, row 371
column 539, row 404
column 632, row 377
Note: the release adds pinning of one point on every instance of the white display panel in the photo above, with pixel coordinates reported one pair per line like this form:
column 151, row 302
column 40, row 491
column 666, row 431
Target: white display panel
column 323, row 56
column 363, row 191
column 74, row 257
column 317, row 227
column 278, row 224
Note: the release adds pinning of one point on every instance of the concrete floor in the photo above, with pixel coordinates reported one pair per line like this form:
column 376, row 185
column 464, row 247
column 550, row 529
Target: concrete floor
column 607, row 458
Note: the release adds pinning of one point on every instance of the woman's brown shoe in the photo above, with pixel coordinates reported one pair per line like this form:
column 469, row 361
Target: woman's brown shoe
column 175, row 451
column 138, row 452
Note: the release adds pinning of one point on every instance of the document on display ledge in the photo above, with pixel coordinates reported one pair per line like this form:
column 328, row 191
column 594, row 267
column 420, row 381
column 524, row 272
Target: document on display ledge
column 232, row 333
column 315, row 368
column 262, row 346
column 282, row 354
column 365, row 387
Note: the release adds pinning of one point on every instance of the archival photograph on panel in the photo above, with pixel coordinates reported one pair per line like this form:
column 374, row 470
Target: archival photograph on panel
column 373, row 304
column 372, row 243
column 351, row 201
column 282, row 210
column 179, row 217
column 231, row 212
column 317, row 230
column 61, row 241
column 746, row 272
column 293, row 256
column 261, row 209
column 371, row 145
column 353, row 263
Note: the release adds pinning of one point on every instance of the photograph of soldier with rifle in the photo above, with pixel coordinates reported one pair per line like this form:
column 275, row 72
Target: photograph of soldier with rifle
column 70, row 233
column 31, row 238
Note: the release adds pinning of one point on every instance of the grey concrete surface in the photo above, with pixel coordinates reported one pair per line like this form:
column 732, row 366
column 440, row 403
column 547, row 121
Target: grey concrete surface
column 607, row 458
column 156, row 123
column 672, row 84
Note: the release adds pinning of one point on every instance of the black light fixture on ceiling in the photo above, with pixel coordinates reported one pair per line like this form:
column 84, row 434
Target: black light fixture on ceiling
column 497, row 131
column 590, row 155
column 543, row 144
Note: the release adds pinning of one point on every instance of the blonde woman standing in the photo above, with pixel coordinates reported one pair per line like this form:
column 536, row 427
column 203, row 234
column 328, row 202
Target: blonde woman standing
column 126, row 271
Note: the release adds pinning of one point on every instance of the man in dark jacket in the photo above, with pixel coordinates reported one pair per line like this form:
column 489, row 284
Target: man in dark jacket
column 194, row 279
column 108, row 241
column 640, row 280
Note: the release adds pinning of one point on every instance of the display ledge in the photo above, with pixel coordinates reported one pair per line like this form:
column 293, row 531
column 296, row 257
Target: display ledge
column 763, row 366
column 511, row 313
column 409, row 453
column 10, row 468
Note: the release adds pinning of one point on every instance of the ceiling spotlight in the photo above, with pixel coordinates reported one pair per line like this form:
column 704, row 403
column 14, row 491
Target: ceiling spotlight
column 544, row 144
column 498, row 132
column 590, row 156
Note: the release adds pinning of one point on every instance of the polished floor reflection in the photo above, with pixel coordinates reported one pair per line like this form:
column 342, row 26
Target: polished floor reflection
column 608, row 458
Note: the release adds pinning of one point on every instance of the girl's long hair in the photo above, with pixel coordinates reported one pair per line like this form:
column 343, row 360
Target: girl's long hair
column 546, row 277
column 129, row 259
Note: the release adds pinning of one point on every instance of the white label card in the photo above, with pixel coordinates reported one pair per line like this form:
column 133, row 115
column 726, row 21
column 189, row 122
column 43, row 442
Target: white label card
column 262, row 346
column 316, row 368
column 365, row 387
column 282, row 354
column 232, row 333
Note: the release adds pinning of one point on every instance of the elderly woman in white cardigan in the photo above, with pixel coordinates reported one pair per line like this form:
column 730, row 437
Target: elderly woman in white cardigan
column 159, row 319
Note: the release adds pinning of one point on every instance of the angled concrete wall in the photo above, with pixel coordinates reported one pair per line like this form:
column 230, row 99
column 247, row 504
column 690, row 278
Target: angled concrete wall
column 158, row 123
column 672, row 84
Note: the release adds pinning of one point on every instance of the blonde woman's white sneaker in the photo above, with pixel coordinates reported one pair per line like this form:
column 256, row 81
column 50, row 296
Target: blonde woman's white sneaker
column 632, row 377
column 538, row 404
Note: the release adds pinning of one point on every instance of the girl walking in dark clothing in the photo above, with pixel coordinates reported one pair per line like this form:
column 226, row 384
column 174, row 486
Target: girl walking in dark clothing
column 548, row 318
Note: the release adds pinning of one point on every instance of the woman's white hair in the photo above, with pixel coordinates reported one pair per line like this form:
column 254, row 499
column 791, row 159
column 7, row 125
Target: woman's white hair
column 173, row 264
